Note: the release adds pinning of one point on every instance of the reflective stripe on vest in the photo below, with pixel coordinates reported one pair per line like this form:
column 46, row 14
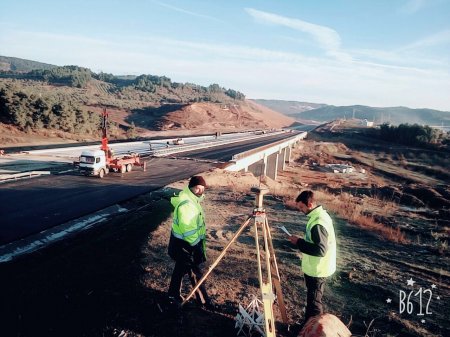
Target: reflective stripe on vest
column 317, row 266
column 192, row 236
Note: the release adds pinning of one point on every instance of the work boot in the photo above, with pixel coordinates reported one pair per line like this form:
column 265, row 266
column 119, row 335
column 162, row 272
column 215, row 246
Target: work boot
column 174, row 304
column 211, row 305
column 294, row 329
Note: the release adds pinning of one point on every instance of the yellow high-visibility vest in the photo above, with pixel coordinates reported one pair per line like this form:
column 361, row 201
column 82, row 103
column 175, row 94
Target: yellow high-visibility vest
column 317, row 266
column 188, row 217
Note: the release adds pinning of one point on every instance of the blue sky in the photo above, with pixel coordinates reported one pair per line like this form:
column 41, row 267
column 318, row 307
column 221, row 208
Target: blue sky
column 342, row 52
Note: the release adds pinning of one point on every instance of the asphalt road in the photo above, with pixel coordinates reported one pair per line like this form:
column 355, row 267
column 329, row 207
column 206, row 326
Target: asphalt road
column 227, row 151
column 30, row 206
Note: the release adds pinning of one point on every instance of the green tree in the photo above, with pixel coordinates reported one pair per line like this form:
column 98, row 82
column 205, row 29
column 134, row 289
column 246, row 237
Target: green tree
column 214, row 89
column 235, row 94
column 131, row 132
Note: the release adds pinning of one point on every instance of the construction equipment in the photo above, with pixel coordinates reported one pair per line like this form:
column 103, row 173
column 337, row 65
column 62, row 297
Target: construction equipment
column 268, row 274
column 101, row 162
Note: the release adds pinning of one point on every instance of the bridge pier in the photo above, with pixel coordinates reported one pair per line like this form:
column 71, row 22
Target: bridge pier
column 282, row 159
column 258, row 168
column 272, row 166
column 287, row 156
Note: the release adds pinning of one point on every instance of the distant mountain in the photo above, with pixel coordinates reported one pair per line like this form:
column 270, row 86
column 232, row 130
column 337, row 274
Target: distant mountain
column 321, row 112
column 20, row 65
column 393, row 115
column 288, row 107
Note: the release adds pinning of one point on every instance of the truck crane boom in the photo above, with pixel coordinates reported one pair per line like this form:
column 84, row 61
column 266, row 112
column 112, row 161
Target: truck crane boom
column 101, row 162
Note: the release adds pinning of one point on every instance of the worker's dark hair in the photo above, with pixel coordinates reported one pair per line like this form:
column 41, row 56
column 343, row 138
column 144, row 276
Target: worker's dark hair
column 305, row 197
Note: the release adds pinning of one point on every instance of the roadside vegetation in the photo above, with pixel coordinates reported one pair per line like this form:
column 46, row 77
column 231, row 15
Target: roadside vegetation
column 30, row 111
column 411, row 134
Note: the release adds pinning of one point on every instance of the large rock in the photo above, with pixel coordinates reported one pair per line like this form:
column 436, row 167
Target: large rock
column 325, row 325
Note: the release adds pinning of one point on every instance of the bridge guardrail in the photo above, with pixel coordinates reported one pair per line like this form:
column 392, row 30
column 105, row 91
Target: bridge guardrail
column 186, row 148
column 22, row 175
column 244, row 159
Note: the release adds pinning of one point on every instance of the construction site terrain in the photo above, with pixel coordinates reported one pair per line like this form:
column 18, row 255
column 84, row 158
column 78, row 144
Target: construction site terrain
column 390, row 213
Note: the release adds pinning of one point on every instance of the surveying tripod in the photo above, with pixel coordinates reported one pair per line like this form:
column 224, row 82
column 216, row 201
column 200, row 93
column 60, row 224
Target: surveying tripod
column 268, row 274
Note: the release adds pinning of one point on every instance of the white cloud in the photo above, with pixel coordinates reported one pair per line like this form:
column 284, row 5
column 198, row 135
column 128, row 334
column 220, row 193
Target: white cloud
column 439, row 38
column 327, row 38
column 398, row 58
column 258, row 72
column 413, row 6
column 330, row 41
column 414, row 55
column 182, row 10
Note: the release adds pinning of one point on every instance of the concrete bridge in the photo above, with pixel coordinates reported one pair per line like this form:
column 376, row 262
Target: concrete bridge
column 267, row 160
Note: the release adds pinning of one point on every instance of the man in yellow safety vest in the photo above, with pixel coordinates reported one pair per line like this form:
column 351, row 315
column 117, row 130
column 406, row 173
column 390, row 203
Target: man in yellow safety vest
column 318, row 249
column 187, row 245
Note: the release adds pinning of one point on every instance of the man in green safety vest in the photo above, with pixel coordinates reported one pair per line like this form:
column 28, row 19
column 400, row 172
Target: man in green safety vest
column 318, row 249
column 187, row 245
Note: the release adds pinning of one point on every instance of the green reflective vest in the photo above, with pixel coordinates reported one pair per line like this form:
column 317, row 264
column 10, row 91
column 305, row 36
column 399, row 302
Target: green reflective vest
column 317, row 266
column 188, row 219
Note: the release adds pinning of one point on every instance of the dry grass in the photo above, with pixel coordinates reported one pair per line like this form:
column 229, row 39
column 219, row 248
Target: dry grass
column 352, row 209
column 410, row 326
column 349, row 209
column 346, row 208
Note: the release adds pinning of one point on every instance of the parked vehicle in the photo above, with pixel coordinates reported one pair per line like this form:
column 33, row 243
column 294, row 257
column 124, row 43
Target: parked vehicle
column 260, row 132
column 96, row 163
column 101, row 162
column 178, row 141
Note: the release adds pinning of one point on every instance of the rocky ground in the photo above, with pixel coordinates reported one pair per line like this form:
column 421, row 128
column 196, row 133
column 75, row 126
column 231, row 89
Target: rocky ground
column 111, row 281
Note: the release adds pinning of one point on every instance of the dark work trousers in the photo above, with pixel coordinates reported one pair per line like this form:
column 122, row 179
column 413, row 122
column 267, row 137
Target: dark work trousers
column 314, row 288
column 195, row 274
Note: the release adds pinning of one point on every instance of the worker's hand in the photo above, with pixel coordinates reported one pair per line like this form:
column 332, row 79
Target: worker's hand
column 293, row 239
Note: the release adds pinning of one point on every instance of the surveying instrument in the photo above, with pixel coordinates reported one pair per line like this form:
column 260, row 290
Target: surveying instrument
column 268, row 274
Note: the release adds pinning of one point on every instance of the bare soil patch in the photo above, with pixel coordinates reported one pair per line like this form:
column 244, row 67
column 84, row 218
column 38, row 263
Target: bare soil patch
column 112, row 281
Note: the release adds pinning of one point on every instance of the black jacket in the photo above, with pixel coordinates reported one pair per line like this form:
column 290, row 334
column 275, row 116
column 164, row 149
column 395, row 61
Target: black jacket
column 181, row 251
column 319, row 247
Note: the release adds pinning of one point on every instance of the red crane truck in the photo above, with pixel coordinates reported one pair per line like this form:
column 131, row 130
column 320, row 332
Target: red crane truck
column 101, row 162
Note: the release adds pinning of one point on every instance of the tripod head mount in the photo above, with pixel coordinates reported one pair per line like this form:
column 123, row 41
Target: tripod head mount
column 260, row 192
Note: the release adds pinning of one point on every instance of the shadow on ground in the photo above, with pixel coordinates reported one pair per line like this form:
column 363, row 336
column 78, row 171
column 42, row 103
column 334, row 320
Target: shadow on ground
column 91, row 285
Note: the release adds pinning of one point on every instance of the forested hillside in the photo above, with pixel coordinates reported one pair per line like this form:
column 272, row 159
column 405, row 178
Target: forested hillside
column 68, row 98
column 27, row 110
column 15, row 64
